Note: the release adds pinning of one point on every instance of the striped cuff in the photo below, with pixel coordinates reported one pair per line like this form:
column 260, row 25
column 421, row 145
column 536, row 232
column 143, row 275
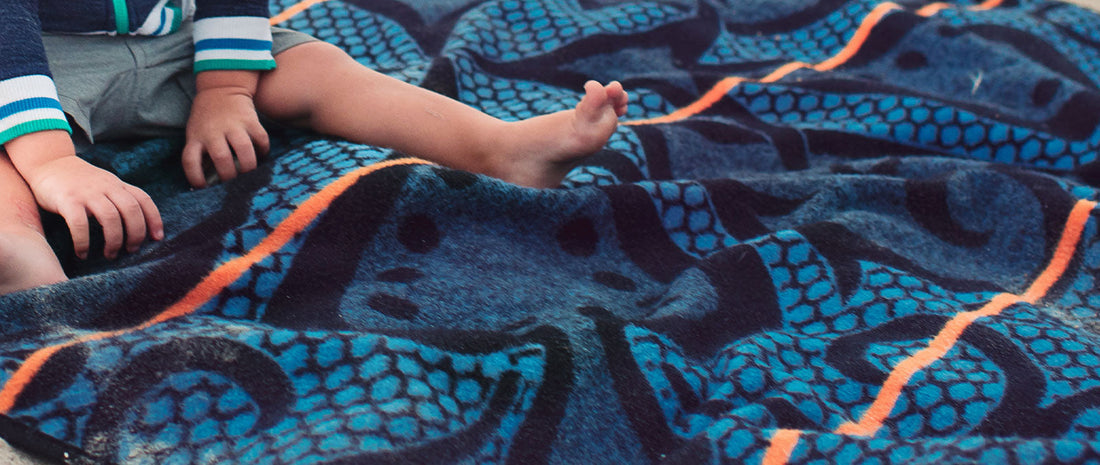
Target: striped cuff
column 29, row 104
column 237, row 42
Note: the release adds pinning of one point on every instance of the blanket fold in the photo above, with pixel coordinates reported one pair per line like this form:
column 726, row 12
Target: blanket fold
column 826, row 232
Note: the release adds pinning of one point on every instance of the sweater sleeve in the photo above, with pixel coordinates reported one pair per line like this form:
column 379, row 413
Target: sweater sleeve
column 28, row 96
column 232, row 35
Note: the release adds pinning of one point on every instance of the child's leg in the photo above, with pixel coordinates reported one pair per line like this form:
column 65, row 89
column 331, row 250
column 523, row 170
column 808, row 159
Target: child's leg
column 26, row 260
column 317, row 85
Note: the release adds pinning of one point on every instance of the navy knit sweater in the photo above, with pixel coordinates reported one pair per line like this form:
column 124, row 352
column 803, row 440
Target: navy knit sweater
column 228, row 34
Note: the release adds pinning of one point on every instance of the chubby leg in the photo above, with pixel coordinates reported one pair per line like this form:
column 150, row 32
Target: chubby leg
column 317, row 85
column 26, row 260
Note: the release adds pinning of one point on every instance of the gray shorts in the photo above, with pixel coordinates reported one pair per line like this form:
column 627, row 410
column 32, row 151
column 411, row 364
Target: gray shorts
column 122, row 87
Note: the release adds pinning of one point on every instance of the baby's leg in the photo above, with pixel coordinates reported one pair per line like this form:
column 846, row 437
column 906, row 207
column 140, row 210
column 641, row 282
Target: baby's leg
column 26, row 259
column 317, row 85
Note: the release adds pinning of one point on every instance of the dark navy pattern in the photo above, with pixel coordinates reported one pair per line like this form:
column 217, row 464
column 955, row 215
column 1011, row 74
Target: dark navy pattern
column 879, row 245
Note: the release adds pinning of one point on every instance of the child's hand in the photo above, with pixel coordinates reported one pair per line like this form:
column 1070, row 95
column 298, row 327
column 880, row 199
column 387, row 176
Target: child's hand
column 75, row 189
column 223, row 123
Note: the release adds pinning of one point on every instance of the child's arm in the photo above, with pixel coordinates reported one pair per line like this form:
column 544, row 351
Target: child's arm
column 64, row 184
column 224, row 123
column 34, row 133
column 232, row 45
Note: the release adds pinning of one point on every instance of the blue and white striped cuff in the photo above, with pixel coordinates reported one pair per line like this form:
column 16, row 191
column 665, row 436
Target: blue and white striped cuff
column 233, row 42
column 29, row 104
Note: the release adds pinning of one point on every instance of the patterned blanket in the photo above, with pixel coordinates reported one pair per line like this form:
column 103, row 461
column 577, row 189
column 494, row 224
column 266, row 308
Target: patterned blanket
column 842, row 231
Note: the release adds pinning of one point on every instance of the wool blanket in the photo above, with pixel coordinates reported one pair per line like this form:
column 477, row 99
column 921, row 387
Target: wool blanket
column 827, row 231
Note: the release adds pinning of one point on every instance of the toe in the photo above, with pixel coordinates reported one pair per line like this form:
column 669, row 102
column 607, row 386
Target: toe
column 617, row 97
column 622, row 103
column 595, row 97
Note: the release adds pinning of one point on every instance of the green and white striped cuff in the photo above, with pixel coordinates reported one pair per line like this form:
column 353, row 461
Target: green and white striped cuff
column 29, row 104
column 233, row 42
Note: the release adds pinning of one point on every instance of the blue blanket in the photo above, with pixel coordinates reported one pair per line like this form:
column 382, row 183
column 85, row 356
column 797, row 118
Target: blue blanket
column 842, row 231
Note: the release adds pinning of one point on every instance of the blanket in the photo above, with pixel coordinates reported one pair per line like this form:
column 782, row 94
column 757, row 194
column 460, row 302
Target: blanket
column 831, row 231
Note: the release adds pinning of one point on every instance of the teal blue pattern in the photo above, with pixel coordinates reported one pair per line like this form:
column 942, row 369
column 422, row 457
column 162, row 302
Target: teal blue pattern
column 764, row 263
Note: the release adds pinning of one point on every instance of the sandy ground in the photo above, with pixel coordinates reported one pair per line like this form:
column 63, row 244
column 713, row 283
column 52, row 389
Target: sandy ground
column 12, row 456
column 1094, row 4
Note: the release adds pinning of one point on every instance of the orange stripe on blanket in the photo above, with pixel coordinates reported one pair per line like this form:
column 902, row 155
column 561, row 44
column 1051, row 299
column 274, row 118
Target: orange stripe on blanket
column 723, row 87
column 933, row 8
column 873, row 418
column 218, row 279
column 295, row 223
column 783, row 71
column 987, row 5
column 32, row 364
column 888, row 395
column 859, row 39
column 1067, row 245
column 781, row 446
column 855, row 43
column 708, row 99
column 288, row 13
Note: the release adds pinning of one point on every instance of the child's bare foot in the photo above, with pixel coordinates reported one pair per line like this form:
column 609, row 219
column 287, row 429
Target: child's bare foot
column 26, row 261
column 540, row 151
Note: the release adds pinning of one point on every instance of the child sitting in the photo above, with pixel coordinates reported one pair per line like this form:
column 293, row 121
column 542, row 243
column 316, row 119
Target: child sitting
column 210, row 68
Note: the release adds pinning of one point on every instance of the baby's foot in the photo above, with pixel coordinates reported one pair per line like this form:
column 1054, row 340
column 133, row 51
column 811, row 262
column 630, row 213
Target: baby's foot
column 26, row 261
column 543, row 149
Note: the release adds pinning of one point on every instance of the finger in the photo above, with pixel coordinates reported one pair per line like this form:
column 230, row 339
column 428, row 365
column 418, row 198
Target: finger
column 153, row 222
column 192, row 164
column 133, row 220
column 222, row 157
column 246, row 153
column 260, row 139
column 109, row 218
column 76, row 217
